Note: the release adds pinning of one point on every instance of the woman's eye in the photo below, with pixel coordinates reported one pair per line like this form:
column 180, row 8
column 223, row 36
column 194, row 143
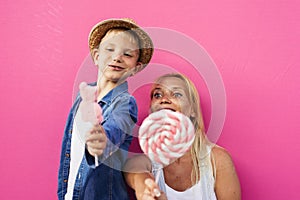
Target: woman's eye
column 110, row 49
column 157, row 95
column 177, row 95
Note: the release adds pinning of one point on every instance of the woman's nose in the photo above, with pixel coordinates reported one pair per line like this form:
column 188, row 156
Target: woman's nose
column 166, row 99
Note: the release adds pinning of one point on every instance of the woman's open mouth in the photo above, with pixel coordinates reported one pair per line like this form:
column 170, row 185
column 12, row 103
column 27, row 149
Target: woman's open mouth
column 168, row 109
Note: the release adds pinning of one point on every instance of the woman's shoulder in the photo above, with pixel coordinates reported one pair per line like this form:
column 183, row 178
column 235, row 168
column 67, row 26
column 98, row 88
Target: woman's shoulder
column 227, row 184
column 222, row 157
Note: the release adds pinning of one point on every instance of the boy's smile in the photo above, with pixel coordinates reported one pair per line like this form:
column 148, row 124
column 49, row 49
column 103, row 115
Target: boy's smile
column 116, row 68
column 117, row 56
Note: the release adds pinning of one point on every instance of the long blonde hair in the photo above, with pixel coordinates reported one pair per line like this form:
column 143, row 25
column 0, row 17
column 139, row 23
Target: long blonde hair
column 198, row 150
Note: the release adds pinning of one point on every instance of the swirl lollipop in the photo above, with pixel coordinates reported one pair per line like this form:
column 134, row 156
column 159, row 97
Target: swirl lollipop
column 165, row 136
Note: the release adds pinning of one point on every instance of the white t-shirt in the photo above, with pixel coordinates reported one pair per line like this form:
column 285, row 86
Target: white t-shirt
column 77, row 151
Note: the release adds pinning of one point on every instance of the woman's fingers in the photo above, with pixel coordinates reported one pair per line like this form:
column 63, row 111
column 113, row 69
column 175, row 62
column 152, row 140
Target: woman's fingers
column 153, row 187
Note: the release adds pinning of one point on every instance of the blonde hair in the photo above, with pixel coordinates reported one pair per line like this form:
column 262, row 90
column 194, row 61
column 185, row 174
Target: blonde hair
column 199, row 147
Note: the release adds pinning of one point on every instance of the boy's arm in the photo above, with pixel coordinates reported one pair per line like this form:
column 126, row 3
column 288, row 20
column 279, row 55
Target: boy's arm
column 118, row 126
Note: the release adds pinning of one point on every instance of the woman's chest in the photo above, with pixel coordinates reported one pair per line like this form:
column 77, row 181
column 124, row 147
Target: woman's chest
column 178, row 176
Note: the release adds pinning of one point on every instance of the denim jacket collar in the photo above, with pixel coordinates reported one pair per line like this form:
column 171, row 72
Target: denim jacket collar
column 111, row 95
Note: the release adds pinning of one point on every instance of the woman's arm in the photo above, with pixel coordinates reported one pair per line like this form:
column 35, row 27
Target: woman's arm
column 227, row 185
column 137, row 173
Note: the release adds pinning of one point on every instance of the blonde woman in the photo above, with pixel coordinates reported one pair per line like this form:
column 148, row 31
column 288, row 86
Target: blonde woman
column 205, row 172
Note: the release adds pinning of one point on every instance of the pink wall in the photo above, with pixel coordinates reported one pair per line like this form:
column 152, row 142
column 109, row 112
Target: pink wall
column 255, row 46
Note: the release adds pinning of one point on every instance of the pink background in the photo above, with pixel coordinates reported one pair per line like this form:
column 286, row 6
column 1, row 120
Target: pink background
column 254, row 44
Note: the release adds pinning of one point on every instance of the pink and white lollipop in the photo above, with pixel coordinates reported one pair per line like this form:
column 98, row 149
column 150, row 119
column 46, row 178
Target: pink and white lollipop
column 165, row 136
column 90, row 112
column 89, row 108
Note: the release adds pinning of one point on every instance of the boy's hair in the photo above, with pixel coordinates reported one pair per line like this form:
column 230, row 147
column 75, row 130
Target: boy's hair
column 145, row 42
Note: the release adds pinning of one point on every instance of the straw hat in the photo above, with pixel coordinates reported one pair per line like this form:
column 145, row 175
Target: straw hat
column 100, row 29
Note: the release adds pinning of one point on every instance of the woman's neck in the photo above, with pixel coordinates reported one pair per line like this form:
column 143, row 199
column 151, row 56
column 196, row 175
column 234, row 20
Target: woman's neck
column 178, row 174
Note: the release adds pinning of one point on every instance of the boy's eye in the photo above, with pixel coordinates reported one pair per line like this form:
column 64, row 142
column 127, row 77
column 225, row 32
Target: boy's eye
column 109, row 49
column 127, row 54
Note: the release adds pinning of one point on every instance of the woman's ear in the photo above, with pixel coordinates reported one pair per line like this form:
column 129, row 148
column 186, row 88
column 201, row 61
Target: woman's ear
column 193, row 114
column 95, row 56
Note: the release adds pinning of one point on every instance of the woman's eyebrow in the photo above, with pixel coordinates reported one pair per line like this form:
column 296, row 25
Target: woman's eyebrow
column 177, row 88
column 157, row 88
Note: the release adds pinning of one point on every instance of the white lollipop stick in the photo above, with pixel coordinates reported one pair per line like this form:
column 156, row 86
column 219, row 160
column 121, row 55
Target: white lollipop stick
column 96, row 161
column 157, row 176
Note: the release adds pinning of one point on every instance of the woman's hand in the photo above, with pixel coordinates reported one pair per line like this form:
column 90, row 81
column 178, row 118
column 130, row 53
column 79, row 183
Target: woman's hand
column 96, row 140
column 151, row 191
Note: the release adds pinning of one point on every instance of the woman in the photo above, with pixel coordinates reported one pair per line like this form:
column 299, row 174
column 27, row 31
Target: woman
column 205, row 172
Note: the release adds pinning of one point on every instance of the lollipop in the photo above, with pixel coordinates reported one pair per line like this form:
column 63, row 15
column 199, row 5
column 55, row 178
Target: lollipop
column 89, row 110
column 165, row 136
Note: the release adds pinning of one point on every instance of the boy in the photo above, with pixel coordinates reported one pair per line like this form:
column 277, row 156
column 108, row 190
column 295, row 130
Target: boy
column 119, row 49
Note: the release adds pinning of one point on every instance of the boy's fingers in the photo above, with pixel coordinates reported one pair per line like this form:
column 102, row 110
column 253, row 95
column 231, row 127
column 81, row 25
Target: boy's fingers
column 96, row 144
column 99, row 137
column 97, row 153
column 95, row 149
column 96, row 129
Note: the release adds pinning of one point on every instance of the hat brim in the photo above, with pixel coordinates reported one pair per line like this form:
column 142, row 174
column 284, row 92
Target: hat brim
column 145, row 42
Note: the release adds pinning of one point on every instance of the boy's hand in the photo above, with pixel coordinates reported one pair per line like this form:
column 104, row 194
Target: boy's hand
column 96, row 140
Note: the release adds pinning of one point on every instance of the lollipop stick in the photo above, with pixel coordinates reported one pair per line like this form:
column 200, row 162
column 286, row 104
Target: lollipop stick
column 96, row 161
column 157, row 176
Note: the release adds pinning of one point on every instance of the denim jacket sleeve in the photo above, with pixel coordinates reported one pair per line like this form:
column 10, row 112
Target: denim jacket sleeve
column 65, row 151
column 118, row 123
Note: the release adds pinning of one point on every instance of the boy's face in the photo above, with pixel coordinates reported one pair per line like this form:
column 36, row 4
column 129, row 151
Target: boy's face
column 171, row 93
column 117, row 56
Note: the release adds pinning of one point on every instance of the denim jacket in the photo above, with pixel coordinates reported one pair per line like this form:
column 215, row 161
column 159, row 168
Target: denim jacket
column 106, row 181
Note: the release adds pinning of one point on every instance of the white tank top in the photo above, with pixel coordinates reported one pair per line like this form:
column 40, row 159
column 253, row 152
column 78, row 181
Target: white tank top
column 203, row 190
column 191, row 193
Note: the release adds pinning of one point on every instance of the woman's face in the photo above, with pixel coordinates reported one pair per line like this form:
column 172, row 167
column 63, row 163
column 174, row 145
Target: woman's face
column 171, row 93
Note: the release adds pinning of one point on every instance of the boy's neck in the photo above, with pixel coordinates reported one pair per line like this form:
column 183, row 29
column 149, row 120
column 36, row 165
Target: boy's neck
column 105, row 87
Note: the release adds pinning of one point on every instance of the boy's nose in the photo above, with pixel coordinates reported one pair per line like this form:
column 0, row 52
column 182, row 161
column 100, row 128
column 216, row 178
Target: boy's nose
column 117, row 57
